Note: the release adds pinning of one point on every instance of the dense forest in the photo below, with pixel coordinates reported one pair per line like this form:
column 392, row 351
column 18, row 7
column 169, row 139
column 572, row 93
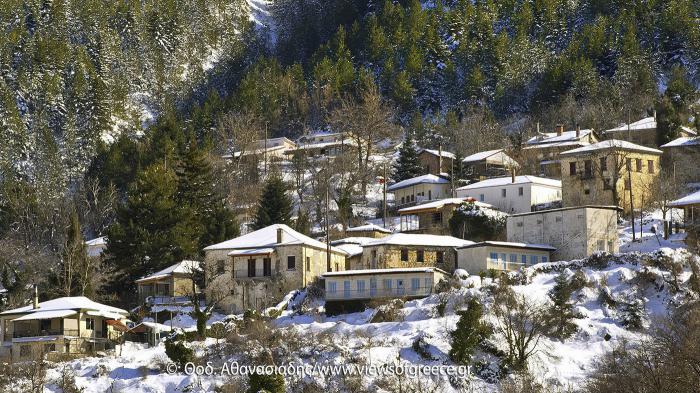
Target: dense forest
column 114, row 114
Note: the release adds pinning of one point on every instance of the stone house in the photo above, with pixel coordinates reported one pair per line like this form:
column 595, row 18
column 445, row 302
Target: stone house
column 273, row 149
column 606, row 173
column 433, row 218
column 544, row 148
column 681, row 157
column 420, row 189
column 73, row 326
column 402, row 250
column 691, row 217
column 256, row 270
column 323, row 144
column 368, row 230
column 575, row 232
column 514, row 194
column 642, row 132
column 502, row 256
column 436, row 162
column 488, row 164
column 172, row 284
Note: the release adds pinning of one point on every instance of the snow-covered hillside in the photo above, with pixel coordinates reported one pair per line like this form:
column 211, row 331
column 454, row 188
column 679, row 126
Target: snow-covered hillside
column 417, row 334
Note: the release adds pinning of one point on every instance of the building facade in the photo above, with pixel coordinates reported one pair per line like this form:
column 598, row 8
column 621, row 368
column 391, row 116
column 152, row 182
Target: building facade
column 368, row 230
column 514, row 194
column 257, row 270
column 419, row 190
column 436, row 162
column 502, row 256
column 681, row 157
column 643, row 132
column 488, row 164
column 575, row 232
column 173, row 284
column 611, row 172
column 433, row 218
column 73, row 326
column 544, row 148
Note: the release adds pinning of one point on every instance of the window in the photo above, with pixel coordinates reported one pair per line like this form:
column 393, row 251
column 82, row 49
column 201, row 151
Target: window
column 503, row 257
column 603, row 164
column 545, row 259
column 519, row 224
column 503, row 193
column 399, row 287
column 533, row 259
column 430, row 194
column 387, row 285
column 628, row 184
column 267, row 267
column 220, row 266
column 251, row 268
column 481, row 197
column 523, row 259
column 420, row 256
column 24, row 351
column 90, row 323
column 650, row 166
column 402, row 200
column 513, row 258
column 493, row 256
column 440, row 257
column 558, row 219
column 308, row 264
column 572, row 168
column 415, row 284
column 587, row 191
column 404, row 255
column 428, row 285
column 346, row 289
column 413, row 198
column 606, row 184
column 361, row 286
column 611, row 246
column 521, row 191
column 436, row 218
column 372, row 286
column 639, row 164
column 588, row 168
column 628, row 164
column 291, row 262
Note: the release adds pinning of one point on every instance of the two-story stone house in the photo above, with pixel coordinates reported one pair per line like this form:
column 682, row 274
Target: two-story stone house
column 611, row 172
column 256, row 270
column 643, row 132
column 545, row 148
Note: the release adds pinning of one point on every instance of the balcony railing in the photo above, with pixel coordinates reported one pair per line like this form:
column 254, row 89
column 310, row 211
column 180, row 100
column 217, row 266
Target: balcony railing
column 503, row 265
column 41, row 333
column 370, row 293
column 252, row 273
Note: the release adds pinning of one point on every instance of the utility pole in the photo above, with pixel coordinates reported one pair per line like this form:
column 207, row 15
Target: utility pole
column 265, row 152
column 328, row 227
column 629, row 130
column 629, row 176
column 384, row 204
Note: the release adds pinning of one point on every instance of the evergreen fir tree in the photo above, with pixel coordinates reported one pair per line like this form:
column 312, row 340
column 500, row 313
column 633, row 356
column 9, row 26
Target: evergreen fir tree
column 271, row 383
column 275, row 205
column 407, row 165
column 633, row 314
column 561, row 312
column 469, row 333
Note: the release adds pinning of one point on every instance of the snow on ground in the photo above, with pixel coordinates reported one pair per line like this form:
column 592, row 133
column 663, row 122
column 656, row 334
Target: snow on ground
column 650, row 241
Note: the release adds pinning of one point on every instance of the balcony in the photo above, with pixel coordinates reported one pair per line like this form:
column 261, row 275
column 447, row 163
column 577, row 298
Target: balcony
column 44, row 333
column 374, row 293
column 252, row 273
column 494, row 264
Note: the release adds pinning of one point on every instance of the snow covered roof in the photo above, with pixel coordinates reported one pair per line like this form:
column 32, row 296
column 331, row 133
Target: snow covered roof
column 424, row 179
column 267, row 237
column 440, row 203
column 612, row 144
column 547, row 211
column 99, row 241
column 350, row 249
column 364, row 272
column 180, row 267
column 689, row 130
column 553, row 137
column 504, row 181
column 410, row 239
column 646, row 123
column 46, row 315
column 483, row 155
column 512, row 245
column 66, row 303
column 359, row 240
column 683, row 141
column 437, row 153
column 252, row 251
column 691, row 199
column 368, row 227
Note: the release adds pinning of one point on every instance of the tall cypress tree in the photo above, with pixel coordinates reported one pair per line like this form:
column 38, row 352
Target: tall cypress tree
column 470, row 331
column 407, row 166
column 275, row 206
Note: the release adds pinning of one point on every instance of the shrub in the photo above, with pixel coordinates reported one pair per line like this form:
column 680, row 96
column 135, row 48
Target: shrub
column 561, row 313
column 389, row 312
column 420, row 346
column 469, row 333
column 266, row 383
column 441, row 306
column 177, row 351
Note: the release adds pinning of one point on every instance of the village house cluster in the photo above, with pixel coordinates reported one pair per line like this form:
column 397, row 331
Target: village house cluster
column 567, row 209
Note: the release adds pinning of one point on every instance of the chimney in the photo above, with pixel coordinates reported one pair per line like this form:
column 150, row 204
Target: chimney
column 512, row 175
column 36, row 297
column 280, row 235
column 440, row 159
column 654, row 114
column 560, row 129
column 578, row 131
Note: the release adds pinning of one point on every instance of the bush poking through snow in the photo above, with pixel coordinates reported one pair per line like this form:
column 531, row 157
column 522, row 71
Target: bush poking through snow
column 470, row 332
column 633, row 314
column 441, row 305
column 66, row 380
column 561, row 313
column 177, row 351
column 266, row 383
column 420, row 346
column 389, row 312
column 521, row 382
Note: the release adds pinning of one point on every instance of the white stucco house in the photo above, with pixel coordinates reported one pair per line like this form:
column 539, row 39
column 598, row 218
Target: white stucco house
column 519, row 194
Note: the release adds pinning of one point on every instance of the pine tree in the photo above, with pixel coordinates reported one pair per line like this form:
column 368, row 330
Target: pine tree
column 470, row 332
column 633, row 314
column 561, row 312
column 274, row 206
column 407, row 165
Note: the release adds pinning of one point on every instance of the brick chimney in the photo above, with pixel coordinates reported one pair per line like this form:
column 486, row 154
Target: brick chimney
column 280, row 235
column 560, row 129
